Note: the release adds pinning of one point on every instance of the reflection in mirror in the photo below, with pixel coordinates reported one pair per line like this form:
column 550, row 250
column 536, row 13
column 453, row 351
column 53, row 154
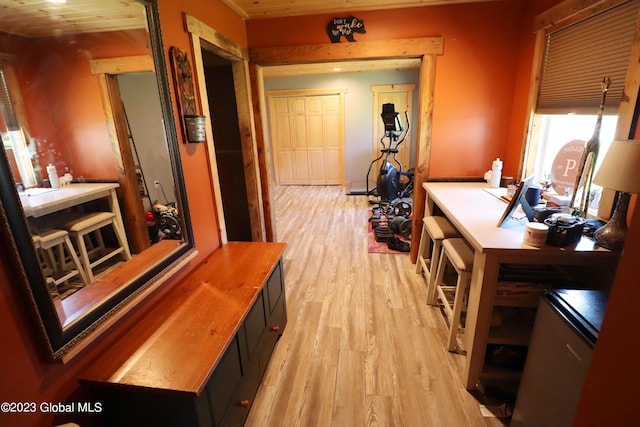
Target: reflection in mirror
column 91, row 185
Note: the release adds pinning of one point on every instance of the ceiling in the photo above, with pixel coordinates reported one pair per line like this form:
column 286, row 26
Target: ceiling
column 256, row 9
column 41, row 18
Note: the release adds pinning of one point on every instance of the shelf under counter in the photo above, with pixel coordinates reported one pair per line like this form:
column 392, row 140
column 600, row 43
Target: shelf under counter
column 493, row 372
column 501, row 255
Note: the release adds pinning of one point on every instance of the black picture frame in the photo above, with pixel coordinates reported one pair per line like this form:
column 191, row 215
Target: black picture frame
column 17, row 239
column 518, row 199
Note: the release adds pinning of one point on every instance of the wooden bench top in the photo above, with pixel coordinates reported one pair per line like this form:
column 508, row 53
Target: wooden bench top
column 179, row 341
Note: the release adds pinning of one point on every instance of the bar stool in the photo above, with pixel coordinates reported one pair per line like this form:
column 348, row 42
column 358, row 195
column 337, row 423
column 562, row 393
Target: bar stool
column 57, row 258
column 45, row 266
column 434, row 230
column 458, row 254
column 92, row 224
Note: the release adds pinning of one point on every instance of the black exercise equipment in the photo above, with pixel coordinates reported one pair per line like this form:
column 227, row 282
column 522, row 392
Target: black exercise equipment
column 388, row 184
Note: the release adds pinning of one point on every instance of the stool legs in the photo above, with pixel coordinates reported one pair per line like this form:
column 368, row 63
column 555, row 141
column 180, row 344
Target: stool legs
column 458, row 303
column 59, row 261
column 434, row 269
column 457, row 254
column 92, row 224
column 75, row 261
column 429, row 265
column 84, row 255
column 85, row 252
column 435, row 229
column 423, row 249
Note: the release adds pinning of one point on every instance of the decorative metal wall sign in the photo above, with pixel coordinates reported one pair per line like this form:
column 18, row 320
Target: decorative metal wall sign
column 193, row 124
column 345, row 27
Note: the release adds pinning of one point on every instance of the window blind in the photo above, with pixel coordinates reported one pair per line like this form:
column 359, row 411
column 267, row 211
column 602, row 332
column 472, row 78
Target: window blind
column 6, row 106
column 578, row 57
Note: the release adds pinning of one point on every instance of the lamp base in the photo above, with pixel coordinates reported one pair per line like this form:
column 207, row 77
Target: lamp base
column 612, row 234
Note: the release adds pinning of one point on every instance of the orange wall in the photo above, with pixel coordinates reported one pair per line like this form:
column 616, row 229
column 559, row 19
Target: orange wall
column 194, row 156
column 475, row 77
column 65, row 111
column 27, row 374
column 519, row 118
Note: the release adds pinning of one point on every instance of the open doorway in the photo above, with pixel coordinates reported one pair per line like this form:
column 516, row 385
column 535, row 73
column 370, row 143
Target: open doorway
column 218, row 74
column 426, row 50
column 362, row 94
column 147, row 140
column 230, row 132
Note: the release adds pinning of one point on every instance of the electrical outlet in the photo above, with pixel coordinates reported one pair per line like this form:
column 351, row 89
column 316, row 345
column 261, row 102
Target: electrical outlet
column 156, row 183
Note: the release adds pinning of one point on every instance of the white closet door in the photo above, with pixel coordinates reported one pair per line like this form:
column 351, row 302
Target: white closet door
column 307, row 132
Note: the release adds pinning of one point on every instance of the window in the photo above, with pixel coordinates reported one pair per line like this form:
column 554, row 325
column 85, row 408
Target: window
column 19, row 151
column 574, row 61
column 557, row 135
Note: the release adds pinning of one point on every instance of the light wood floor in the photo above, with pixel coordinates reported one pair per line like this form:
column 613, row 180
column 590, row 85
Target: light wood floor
column 361, row 347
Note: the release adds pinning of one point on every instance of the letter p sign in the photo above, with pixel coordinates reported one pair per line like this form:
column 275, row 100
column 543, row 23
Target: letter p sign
column 570, row 165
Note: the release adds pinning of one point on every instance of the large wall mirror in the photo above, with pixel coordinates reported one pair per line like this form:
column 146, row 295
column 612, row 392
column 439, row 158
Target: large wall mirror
column 92, row 193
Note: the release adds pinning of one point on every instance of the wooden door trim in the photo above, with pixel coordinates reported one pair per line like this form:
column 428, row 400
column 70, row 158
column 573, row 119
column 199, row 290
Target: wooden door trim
column 261, row 224
column 388, row 88
column 401, row 48
column 106, row 70
column 427, row 49
column 393, row 87
column 304, row 92
column 228, row 48
column 121, row 65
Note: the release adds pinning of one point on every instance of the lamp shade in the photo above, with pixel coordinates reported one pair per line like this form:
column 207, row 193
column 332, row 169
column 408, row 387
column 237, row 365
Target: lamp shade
column 620, row 168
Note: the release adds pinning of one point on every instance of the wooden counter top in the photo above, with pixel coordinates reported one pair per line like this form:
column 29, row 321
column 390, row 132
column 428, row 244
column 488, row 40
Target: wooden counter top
column 179, row 341
column 475, row 213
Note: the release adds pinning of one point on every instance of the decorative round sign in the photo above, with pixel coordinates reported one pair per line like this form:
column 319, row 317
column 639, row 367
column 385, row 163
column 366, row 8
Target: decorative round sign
column 564, row 168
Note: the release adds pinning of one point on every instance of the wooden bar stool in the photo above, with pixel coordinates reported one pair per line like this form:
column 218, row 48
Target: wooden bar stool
column 92, row 224
column 58, row 258
column 44, row 260
column 434, row 230
column 457, row 253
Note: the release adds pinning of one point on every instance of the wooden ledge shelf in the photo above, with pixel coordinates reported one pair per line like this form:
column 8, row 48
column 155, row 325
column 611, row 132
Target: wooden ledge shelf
column 231, row 307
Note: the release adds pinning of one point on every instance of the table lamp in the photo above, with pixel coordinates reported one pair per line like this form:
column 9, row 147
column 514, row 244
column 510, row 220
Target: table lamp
column 620, row 171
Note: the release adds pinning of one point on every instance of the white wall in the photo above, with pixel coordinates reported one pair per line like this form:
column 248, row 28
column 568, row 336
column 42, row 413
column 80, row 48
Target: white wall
column 139, row 92
column 358, row 112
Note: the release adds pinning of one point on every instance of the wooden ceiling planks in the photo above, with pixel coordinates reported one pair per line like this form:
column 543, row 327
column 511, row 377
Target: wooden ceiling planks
column 256, row 9
column 39, row 18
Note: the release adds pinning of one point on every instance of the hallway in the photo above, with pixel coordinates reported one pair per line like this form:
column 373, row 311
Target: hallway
column 361, row 347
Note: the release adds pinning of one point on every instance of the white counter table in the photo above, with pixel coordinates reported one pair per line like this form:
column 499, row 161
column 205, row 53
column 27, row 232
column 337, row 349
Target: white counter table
column 57, row 199
column 475, row 213
column 52, row 200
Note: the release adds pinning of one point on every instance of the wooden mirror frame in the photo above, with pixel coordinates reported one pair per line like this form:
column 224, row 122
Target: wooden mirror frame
column 18, row 242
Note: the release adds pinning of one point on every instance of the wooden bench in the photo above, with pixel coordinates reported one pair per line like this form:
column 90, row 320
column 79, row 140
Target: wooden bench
column 198, row 356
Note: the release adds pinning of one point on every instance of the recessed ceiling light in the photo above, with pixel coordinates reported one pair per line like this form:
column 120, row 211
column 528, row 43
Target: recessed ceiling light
column 336, row 69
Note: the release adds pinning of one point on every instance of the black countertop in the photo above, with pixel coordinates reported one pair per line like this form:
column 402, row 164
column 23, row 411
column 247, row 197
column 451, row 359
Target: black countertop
column 582, row 309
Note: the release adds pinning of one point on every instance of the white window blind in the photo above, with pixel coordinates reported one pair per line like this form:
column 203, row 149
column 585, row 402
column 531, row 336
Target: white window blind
column 578, row 57
column 6, row 106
